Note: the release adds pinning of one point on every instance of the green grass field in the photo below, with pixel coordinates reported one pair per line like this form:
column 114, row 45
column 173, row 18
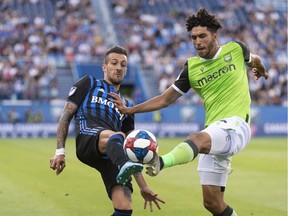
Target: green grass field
column 28, row 187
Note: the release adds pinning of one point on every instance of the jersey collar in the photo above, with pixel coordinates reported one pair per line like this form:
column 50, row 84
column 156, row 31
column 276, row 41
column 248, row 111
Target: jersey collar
column 215, row 56
column 111, row 87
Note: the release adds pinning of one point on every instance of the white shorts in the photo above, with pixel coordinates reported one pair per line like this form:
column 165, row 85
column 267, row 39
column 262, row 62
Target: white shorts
column 228, row 137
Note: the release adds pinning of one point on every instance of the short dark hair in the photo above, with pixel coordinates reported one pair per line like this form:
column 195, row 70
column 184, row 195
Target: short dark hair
column 204, row 19
column 115, row 49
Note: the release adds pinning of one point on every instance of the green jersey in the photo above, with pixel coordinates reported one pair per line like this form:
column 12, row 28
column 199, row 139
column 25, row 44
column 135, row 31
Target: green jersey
column 222, row 82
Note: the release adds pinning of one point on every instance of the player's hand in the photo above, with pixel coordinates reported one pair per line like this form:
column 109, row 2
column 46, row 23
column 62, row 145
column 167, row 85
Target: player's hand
column 58, row 163
column 150, row 197
column 258, row 73
column 118, row 103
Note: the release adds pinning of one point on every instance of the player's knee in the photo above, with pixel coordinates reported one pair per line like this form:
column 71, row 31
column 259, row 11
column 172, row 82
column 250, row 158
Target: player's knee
column 120, row 133
column 202, row 141
column 105, row 136
column 121, row 197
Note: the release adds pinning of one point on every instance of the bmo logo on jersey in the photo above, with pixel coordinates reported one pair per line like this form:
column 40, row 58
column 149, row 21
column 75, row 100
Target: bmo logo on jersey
column 106, row 102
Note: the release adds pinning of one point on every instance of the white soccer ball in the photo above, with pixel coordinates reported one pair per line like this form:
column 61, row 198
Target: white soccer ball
column 141, row 146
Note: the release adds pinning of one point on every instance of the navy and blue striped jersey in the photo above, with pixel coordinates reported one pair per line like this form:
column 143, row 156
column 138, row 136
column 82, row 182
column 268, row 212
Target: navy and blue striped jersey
column 95, row 109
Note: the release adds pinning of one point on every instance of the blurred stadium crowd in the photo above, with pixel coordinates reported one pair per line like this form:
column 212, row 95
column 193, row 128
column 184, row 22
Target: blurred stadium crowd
column 36, row 35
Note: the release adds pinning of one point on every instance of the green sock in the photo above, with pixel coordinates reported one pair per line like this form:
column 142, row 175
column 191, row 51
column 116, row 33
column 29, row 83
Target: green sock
column 181, row 154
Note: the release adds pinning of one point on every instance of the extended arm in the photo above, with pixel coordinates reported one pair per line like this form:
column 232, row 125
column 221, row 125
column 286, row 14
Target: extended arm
column 58, row 161
column 148, row 195
column 64, row 122
column 156, row 103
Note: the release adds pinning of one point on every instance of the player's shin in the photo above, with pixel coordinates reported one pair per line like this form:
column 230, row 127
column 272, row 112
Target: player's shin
column 114, row 150
column 183, row 153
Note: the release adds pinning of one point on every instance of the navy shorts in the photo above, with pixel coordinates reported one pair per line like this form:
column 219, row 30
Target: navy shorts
column 88, row 153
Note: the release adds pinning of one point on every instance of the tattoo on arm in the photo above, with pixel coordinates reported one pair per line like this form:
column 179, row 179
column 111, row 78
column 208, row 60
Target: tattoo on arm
column 64, row 122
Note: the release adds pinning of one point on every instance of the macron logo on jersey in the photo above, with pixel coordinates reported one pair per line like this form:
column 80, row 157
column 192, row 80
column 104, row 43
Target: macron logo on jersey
column 216, row 74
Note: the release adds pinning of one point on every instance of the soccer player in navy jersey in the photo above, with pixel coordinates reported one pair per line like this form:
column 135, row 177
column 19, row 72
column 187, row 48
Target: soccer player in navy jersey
column 100, row 133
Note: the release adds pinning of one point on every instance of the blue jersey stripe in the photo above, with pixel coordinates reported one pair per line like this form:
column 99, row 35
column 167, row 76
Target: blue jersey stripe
column 96, row 110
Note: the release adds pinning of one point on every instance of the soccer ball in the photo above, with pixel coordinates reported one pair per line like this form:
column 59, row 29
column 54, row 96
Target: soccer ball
column 141, row 146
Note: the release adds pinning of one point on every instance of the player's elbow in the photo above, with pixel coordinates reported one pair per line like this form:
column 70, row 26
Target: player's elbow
column 169, row 97
column 168, row 101
column 165, row 104
column 164, row 101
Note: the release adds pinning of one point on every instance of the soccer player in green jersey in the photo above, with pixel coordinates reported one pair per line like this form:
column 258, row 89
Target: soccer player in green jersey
column 218, row 74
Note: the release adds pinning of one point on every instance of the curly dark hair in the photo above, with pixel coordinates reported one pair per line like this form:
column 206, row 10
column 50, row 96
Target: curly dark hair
column 204, row 19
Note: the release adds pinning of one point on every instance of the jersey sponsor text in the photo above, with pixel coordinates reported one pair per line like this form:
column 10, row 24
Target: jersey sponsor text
column 216, row 74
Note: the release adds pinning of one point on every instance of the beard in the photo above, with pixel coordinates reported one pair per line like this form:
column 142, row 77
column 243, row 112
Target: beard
column 206, row 53
column 115, row 81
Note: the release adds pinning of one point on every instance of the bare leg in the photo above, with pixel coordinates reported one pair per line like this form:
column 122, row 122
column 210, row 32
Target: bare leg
column 213, row 199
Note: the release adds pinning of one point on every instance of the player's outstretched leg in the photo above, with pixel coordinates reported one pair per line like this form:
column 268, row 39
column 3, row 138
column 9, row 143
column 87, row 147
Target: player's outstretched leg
column 114, row 150
column 183, row 153
column 154, row 167
column 128, row 169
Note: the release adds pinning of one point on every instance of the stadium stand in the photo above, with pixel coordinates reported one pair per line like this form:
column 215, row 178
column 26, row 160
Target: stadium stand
column 41, row 40
column 159, row 39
